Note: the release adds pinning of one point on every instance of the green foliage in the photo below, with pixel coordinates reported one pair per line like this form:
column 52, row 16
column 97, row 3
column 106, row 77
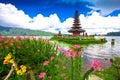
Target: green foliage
column 7, row 31
column 113, row 72
column 86, row 75
column 77, row 40
column 29, row 52
column 41, row 56
column 113, row 34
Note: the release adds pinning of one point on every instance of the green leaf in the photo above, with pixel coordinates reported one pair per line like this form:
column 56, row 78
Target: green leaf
column 86, row 75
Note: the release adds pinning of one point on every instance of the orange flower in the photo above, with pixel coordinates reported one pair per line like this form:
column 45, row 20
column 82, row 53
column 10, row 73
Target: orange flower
column 5, row 61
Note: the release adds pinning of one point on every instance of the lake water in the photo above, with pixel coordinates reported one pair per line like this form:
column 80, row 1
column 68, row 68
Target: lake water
column 102, row 52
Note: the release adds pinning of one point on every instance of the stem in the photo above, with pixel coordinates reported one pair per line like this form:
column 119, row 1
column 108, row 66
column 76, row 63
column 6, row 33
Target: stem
column 118, row 71
column 32, row 77
column 10, row 72
column 72, row 68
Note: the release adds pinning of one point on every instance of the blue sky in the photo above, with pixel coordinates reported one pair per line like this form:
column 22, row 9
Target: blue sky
column 96, row 16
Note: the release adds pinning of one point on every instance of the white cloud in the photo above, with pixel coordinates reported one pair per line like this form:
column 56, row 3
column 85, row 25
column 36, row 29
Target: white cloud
column 100, row 24
column 10, row 16
column 105, row 6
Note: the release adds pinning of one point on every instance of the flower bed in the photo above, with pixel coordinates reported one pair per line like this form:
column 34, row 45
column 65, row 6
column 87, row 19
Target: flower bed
column 38, row 59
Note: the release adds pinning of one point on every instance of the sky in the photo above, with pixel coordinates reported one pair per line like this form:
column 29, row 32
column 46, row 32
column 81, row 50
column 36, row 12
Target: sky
column 96, row 16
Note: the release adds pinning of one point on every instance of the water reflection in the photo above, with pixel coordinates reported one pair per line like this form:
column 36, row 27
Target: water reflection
column 102, row 52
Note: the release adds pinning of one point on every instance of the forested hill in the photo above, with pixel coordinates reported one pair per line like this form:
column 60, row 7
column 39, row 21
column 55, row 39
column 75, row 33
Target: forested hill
column 113, row 34
column 9, row 31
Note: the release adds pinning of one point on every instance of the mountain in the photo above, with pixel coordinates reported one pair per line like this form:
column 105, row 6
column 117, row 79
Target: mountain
column 113, row 34
column 10, row 31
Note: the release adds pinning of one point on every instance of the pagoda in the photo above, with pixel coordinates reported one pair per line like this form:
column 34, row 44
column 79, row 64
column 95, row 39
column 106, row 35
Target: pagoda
column 76, row 29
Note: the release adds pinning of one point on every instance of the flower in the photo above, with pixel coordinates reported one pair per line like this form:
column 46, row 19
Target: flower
column 45, row 63
column 42, row 75
column 8, row 56
column 11, row 60
column 61, row 50
column 18, row 47
column 96, row 65
column 47, row 41
column 8, row 59
column 49, row 77
column 20, row 72
column 23, row 68
column 0, row 38
column 5, row 61
column 52, row 58
column 67, row 53
column 6, row 41
column 7, row 47
column 76, row 46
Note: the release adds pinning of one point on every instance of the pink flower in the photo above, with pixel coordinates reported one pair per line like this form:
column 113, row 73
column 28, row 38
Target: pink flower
column 18, row 37
column 80, row 52
column 74, row 55
column 45, row 63
column 47, row 41
column 6, row 41
column 52, row 58
column 12, row 40
column 0, row 38
column 64, row 67
column 62, row 74
column 42, row 75
column 67, row 53
column 18, row 47
column 34, row 39
column 96, row 65
column 76, row 46
column 49, row 77
column 60, row 49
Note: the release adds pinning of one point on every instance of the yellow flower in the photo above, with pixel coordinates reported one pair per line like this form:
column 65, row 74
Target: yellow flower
column 23, row 68
column 19, row 72
column 5, row 61
column 11, row 60
column 8, row 57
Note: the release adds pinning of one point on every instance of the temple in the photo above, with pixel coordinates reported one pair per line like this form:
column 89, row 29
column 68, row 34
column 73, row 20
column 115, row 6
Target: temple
column 76, row 29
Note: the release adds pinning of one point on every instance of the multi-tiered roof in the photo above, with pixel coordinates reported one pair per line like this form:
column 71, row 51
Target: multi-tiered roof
column 76, row 29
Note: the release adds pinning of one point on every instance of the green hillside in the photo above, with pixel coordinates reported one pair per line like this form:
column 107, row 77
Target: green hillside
column 9, row 31
column 113, row 34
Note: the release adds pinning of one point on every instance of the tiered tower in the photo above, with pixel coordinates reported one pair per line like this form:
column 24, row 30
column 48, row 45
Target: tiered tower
column 76, row 29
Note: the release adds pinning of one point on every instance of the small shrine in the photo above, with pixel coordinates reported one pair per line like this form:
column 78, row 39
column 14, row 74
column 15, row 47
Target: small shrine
column 76, row 29
column 59, row 33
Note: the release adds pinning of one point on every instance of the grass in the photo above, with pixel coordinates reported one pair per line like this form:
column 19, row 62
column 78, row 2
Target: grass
column 72, row 41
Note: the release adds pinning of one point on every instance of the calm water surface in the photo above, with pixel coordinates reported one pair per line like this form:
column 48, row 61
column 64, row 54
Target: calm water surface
column 102, row 52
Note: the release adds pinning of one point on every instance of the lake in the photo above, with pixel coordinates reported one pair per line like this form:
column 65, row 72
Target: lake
column 102, row 52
